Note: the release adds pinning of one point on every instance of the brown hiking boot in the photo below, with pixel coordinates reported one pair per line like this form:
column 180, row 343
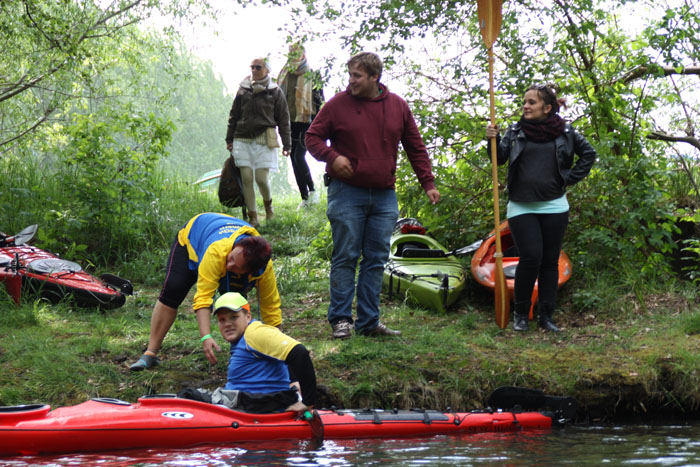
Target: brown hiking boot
column 269, row 212
column 253, row 219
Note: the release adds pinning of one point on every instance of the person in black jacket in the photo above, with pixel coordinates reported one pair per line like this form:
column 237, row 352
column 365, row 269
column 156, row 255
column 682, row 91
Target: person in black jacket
column 540, row 151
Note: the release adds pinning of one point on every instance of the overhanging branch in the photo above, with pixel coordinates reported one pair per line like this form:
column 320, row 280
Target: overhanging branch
column 661, row 136
column 668, row 71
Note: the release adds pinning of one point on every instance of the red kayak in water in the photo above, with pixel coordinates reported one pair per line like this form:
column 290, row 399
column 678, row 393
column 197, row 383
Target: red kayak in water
column 28, row 269
column 165, row 421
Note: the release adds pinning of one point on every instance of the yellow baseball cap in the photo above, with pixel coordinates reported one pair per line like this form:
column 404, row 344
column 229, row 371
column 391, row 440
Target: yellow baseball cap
column 231, row 301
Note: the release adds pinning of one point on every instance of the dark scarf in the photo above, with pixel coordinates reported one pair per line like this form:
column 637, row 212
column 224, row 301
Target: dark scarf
column 541, row 131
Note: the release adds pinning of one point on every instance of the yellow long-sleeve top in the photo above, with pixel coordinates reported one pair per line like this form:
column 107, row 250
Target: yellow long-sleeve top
column 209, row 238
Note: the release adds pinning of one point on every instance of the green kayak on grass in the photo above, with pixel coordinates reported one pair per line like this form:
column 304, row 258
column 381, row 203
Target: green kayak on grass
column 421, row 270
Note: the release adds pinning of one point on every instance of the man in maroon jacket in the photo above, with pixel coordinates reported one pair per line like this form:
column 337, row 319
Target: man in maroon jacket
column 364, row 124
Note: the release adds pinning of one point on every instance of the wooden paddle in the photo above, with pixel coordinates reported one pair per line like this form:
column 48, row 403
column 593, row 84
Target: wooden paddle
column 489, row 12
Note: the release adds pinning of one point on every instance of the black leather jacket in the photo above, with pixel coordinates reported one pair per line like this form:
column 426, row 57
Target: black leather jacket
column 511, row 145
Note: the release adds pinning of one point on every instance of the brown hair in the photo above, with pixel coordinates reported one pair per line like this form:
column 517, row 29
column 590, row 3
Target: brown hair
column 548, row 94
column 256, row 251
column 368, row 62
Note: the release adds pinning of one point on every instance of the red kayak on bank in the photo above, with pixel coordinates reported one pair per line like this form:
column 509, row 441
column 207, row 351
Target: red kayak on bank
column 28, row 269
column 483, row 264
column 165, row 421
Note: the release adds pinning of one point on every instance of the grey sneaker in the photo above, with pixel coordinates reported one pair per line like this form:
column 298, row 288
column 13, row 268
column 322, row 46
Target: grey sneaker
column 382, row 330
column 342, row 329
column 146, row 362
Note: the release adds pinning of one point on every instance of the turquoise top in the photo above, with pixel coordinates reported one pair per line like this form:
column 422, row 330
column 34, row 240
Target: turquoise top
column 554, row 206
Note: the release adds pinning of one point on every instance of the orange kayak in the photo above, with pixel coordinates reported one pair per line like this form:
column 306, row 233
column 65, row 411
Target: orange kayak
column 483, row 263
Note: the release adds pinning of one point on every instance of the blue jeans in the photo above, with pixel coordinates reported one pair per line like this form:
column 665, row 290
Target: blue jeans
column 362, row 221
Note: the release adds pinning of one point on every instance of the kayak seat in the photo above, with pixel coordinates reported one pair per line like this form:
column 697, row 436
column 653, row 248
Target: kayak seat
column 423, row 253
column 414, row 245
column 53, row 265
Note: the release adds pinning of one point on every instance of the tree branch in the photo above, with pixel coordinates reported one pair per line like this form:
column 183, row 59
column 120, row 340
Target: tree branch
column 668, row 71
column 29, row 84
column 661, row 136
column 41, row 120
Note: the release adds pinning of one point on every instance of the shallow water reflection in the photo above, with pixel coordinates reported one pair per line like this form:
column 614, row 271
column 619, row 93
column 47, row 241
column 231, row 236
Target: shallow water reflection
column 669, row 445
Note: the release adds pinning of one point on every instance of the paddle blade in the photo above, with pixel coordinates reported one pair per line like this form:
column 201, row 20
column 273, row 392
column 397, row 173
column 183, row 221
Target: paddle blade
column 317, row 429
column 465, row 250
column 13, row 284
column 501, row 296
column 489, row 12
column 509, row 397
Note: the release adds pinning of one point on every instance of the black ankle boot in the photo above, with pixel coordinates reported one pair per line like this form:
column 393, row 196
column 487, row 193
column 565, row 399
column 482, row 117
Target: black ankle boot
column 544, row 317
column 521, row 317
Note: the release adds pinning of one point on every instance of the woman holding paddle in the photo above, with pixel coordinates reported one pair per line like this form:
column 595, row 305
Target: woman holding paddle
column 540, row 150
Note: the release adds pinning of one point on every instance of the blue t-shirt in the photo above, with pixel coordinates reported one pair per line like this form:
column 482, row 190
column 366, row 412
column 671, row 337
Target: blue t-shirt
column 554, row 206
column 257, row 360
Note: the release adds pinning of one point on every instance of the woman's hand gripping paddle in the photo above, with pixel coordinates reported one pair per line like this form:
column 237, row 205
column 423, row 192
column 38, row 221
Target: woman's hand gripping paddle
column 489, row 12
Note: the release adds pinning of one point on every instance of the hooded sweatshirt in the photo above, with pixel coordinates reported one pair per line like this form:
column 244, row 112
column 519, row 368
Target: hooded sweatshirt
column 368, row 131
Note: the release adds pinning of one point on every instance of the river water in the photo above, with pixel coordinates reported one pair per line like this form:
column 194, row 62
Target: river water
column 645, row 445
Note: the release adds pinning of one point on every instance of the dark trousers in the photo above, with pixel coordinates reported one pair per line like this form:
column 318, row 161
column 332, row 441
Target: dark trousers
column 302, row 174
column 538, row 238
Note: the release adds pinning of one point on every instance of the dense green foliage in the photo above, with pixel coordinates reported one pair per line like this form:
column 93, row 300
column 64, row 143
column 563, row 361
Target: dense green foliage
column 130, row 103
column 626, row 83
column 117, row 132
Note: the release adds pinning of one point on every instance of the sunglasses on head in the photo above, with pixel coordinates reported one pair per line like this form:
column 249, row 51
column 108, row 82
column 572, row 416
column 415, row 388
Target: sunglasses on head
column 256, row 67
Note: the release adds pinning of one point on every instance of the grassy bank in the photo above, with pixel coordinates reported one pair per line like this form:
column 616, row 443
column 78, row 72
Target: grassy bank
column 637, row 354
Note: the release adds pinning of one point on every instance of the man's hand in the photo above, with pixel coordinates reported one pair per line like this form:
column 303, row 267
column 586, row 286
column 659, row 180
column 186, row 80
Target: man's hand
column 342, row 167
column 229, row 147
column 433, row 195
column 285, row 152
column 209, row 346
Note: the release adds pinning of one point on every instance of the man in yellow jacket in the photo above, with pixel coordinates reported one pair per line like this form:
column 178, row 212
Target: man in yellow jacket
column 213, row 251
